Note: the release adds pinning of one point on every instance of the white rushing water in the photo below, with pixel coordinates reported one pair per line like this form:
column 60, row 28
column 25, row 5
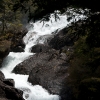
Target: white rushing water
column 35, row 31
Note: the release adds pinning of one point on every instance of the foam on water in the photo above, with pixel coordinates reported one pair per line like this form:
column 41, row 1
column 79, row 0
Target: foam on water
column 40, row 29
column 36, row 30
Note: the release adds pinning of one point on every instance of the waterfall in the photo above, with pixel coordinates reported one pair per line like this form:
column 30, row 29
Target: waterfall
column 36, row 30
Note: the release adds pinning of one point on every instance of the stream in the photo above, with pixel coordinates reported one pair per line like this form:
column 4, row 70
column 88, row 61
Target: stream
column 35, row 31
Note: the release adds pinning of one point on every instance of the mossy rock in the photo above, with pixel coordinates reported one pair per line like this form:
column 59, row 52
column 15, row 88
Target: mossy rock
column 6, row 36
column 4, row 48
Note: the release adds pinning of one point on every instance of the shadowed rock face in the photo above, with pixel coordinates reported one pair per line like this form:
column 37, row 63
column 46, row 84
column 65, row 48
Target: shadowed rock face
column 40, row 48
column 43, row 58
column 45, row 39
column 17, row 44
column 50, row 77
column 19, row 48
column 67, row 36
column 7, row 89
column 48, row 69
column 1, row 76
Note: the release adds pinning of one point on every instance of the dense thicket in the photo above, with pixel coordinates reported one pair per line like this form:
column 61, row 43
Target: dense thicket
column 84, row 70
column 8, row 18
column 44, row 7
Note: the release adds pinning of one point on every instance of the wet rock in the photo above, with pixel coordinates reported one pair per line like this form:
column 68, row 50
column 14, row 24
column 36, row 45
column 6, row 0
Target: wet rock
column 7, row 89
column 50, row 71
column 50, row 77
column 17, row 44
column 1, row 76
column 61, row 40
column 9, row 92
column 40, row 48
column 66, row 36
column 24, row 67
column 9, row 82
column 40, row 58
column 45, row 39
column 18, row 49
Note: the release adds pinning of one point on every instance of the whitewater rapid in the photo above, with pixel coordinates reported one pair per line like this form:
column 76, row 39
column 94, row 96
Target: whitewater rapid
column 36, row 30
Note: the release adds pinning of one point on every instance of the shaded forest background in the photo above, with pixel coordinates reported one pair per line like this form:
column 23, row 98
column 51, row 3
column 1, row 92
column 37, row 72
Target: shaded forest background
column 84, row 70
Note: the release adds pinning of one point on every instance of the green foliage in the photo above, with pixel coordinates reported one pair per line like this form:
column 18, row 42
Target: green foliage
column 84, row 70
column 4, row 45
column 39, row 8
column 7, row 16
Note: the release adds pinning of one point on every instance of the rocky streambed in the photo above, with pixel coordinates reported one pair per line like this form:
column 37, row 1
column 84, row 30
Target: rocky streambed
column 48, row 67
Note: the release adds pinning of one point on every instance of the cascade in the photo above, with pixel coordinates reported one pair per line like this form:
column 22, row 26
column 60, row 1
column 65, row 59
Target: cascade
column 37, row 32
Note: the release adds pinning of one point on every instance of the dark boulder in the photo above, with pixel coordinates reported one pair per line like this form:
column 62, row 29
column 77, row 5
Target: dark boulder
column 50, row 77
column 66, row 36
column 9, row 82
column 9, row 92
column 18, row 49
column 48, row 69
column 40, row 48
column 1, row 76
column 17, row 44
column 25, row 67
column 45, row 39
column 7, row 89
column 62, row 39
column 41, row 58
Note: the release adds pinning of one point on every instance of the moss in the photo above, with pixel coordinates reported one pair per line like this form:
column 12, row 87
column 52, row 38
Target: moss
column 7, row 36
column 4, row 45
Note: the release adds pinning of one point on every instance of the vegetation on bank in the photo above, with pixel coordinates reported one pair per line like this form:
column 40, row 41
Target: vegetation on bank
column 84, row 70
column 9, row 20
